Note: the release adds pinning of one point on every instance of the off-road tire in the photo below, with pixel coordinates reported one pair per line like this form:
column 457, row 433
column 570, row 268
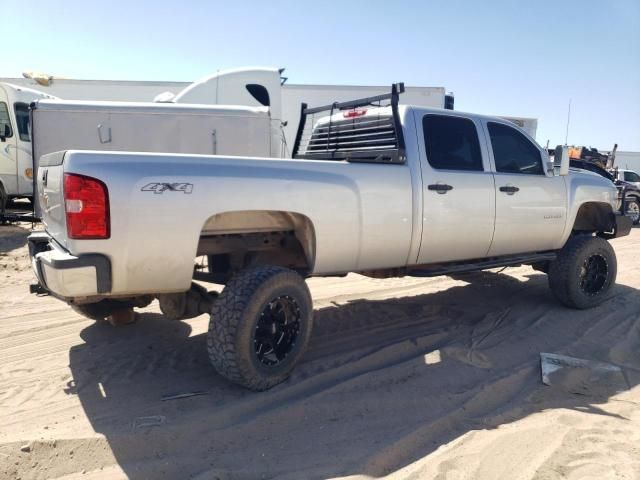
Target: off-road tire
column 234, row 319
column 565, row 273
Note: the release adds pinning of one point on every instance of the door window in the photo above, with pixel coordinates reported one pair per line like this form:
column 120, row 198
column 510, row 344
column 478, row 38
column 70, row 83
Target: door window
column 513, row 152
column 631, row 177
column 22, row 119
column 451, row 143
column 5, row 123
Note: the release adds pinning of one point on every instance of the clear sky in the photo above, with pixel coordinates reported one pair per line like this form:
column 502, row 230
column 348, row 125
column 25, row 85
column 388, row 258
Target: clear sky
column 498, row 57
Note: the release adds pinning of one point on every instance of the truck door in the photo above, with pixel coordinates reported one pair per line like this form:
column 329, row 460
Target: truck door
column 458, row 188
column 8, row 163
column 530, row 204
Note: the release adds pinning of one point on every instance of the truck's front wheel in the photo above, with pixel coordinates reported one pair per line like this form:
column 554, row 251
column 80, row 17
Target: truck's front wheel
column 584, row 272
column 260, row 326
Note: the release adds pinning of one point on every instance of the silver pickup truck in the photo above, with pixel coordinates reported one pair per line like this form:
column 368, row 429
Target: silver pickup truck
column 373, row 187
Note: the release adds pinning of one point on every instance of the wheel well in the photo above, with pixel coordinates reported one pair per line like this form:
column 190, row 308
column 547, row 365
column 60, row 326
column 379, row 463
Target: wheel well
column 594, row 217
column 236, row 240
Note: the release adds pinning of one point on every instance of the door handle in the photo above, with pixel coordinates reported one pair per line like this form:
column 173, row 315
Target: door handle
column 509, row 189
column 440, row 187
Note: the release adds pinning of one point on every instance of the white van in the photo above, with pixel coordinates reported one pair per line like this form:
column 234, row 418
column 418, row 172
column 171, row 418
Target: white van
column 16, row 165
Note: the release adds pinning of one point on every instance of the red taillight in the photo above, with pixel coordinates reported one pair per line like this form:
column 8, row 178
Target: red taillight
column 86, row 204
column 354, row 113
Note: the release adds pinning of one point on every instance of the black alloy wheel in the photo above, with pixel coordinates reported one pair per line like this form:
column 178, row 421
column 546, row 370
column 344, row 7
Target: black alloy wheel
column 277, row 330
column 594, row 273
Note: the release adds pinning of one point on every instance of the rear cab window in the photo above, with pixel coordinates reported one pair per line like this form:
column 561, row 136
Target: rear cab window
column 451, row 143
column 513, row 152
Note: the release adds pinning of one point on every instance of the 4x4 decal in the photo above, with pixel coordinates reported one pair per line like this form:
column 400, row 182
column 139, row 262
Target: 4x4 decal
column 156, row 187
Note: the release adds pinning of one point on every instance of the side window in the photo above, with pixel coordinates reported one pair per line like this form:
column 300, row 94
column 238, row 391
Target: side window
column 513, row 152
column 451, row 143
column 5, row 123
column 22, row 120
column 259, row 92
column 631, row 177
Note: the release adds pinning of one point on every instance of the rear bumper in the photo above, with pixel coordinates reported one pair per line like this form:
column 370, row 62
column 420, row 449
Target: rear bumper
column 65, row 275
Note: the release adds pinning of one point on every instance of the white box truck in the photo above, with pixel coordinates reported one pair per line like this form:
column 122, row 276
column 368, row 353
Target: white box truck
column 238, row 118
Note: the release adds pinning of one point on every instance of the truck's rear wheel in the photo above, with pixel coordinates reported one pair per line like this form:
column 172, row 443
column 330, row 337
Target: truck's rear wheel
column 260, row 326
column 633, row 210
column 584, row 272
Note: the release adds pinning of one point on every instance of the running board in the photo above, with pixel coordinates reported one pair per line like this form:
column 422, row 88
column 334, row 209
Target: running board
column 460, row 267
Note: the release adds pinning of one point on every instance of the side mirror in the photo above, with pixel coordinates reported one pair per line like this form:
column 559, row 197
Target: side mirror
column 547, row 163
column 562, row 154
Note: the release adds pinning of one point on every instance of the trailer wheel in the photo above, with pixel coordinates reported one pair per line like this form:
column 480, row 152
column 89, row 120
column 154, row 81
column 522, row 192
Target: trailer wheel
column 260, row 326
column 584, row 272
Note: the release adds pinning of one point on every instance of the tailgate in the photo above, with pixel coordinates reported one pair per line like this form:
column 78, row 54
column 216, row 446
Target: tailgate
column 49, row 184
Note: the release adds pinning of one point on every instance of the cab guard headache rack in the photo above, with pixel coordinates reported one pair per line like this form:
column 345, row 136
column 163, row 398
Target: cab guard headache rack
column 344, row 131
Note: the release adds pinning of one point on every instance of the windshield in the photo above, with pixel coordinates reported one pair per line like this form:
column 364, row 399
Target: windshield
column 22, row 119
column 631, row 177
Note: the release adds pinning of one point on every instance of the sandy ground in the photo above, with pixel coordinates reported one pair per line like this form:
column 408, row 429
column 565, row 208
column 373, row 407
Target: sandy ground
column 405, row 378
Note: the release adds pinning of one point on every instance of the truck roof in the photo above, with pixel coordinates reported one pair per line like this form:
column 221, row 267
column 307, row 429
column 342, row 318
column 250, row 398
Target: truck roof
column 374, row 111
column 18, row 91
